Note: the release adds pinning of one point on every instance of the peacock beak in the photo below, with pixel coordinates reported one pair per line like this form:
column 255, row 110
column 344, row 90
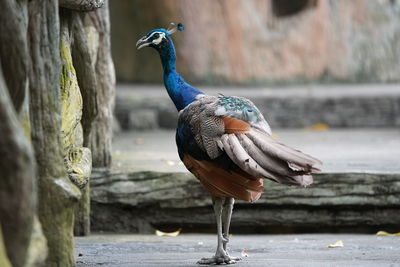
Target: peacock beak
column 142, row 42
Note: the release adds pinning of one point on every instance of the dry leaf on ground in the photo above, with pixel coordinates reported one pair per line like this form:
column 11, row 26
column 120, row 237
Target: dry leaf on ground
column 176, row 233
column 337, row 244
column 318, row 127
column 383, row 233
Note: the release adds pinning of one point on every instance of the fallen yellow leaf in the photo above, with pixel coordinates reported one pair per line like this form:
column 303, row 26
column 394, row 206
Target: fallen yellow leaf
column 383, row 233
column 337, row 244
column 176, row 233
column 318, row 127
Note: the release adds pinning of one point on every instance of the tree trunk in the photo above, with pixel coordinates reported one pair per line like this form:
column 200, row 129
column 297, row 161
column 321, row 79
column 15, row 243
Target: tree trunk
column 57, row 194
column 4, row 262
column 14, row 49
column 97, row 27
column 82, row 213
column 17, row 183
column 50, row 111
column 82, row 5
column 95, row 73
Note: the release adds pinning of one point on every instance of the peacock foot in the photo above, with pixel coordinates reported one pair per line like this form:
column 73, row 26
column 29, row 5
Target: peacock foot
column 219, row 258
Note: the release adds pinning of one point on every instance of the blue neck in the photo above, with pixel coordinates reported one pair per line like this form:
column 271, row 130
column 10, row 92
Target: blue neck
column 181, row 93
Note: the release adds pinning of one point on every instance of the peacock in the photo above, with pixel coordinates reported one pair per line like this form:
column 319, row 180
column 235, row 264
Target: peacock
column 226, row 143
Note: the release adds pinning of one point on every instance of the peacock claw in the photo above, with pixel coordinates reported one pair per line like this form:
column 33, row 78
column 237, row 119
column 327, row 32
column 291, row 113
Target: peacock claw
column 222, row 259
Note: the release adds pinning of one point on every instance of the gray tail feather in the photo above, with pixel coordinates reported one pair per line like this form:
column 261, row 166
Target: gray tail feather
column 261, row 155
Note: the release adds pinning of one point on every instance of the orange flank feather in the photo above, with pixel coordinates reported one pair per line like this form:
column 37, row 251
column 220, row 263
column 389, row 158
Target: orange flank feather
column 233, row 125
column 221, row 183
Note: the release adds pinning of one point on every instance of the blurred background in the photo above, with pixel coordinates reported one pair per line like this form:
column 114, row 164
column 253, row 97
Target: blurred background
column 310, row 46
column 324, row 74
column 262, row 42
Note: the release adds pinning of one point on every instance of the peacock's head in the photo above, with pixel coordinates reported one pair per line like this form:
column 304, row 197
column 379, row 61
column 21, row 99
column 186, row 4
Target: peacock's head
column 158, row 37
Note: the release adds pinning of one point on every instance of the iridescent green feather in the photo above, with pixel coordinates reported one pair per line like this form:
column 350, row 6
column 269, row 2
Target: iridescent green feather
column 240, row 108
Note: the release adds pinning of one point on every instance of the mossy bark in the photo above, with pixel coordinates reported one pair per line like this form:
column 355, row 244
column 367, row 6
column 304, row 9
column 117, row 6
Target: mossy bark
column 98, row 140
column 57, row 194
column 37, row 251
column 14, row 48
column 23, row 236
column 82, row 5
column 17, row 183
column 78, row 159
column 95, row 72
column 82, row 213
column 4, row 262
column 41, row 90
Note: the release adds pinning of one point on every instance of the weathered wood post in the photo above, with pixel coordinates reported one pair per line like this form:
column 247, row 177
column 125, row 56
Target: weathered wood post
column 90, row 73
column 57, row 194
column 17, row 182
column 17, row 166
column 56, row 91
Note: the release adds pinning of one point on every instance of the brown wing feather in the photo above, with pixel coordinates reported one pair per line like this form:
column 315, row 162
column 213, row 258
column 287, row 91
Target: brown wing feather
column 221, row 183
column 233, row 125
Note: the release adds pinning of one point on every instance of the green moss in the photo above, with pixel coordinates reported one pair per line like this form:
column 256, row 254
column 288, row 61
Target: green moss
column 24, row 117
column 71, row 99
column 57, row 219
column 80, row 165
column 4, row 262
column 37, row 251
column 77, row 158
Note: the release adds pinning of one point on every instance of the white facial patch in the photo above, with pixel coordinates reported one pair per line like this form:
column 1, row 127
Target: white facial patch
column 159, row 39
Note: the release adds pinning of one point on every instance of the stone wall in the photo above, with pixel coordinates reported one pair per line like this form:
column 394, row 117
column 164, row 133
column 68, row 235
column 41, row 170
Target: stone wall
column 141, row 202
column 263, row 41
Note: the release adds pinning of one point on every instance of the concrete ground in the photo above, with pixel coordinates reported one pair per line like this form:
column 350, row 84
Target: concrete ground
column 263, row 250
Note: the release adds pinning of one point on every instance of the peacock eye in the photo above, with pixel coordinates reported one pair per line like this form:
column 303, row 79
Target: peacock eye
column 156, row 35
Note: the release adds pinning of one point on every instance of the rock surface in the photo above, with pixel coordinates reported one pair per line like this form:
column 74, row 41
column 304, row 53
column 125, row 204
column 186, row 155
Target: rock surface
column 358, row 189
column 248, row 42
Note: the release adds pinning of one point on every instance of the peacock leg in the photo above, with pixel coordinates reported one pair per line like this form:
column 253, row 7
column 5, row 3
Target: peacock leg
column 220, row 255
column 226, row 221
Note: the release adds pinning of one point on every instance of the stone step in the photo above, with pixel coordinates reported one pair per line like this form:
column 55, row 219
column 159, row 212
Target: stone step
column 358, row 189
column 371, row 105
